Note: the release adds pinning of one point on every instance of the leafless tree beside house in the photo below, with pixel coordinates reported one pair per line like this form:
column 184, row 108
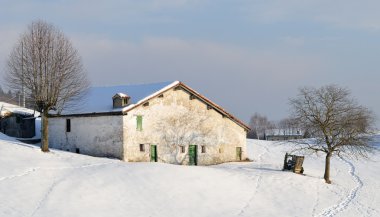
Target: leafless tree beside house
column 337, row 122
column 45, row 65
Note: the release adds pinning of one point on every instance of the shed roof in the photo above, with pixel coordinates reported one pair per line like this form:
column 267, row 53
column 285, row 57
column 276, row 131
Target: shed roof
column 7, row 108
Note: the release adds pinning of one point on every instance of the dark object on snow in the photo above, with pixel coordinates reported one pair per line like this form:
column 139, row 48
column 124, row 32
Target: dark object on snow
column 294, row 163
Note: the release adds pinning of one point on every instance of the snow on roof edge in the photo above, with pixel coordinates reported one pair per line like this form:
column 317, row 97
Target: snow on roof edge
column 131, row 106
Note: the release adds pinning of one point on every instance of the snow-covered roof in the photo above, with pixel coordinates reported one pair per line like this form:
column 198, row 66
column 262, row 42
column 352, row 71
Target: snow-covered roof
column 7, row 108
column 122, row 95
column 99, row 99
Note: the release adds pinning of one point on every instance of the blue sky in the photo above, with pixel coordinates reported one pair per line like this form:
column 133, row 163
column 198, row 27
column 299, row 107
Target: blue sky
column 248, row 56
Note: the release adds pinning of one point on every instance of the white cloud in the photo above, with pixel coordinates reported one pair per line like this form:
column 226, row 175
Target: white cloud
column 340, row 13
column 174, row 58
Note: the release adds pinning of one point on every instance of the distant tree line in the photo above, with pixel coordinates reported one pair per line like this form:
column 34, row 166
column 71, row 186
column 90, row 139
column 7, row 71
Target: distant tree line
column 16, row 98
column 260, row 127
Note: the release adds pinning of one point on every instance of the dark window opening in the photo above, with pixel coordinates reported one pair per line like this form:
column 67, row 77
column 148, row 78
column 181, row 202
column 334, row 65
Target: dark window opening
column 146, row 104
column 203, row 147
column 77, row 150
column 68, row 125
column 192, row 97
column 182, row 148
column 209, row 107
column 161, row 96
column 142, row 147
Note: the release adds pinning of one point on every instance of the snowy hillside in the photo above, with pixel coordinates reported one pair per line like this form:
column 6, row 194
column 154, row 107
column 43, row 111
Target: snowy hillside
column 65, row 184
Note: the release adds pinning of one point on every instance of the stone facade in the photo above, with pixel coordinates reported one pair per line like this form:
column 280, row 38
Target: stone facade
column 167, row 124
column 221, row 140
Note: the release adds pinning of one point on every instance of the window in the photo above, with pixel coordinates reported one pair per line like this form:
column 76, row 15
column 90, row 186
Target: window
column 161, row 96
column 142, row 147
column 139, row 122
column 146, row 104
column 125, row 101
column 182, row 147
column 68, row 125
column 203, row 147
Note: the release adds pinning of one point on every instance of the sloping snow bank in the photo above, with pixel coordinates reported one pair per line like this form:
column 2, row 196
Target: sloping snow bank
column 58, row 183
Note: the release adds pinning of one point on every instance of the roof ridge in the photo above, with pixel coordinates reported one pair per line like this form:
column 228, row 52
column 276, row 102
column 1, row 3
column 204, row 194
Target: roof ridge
column 135, row 84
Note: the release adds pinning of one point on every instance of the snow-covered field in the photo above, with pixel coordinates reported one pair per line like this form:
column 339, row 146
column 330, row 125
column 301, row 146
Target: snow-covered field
column 58, row 183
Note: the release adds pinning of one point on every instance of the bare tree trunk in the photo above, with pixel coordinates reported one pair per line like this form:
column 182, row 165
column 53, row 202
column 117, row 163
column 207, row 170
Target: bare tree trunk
column 45, row 139
column 327, row 168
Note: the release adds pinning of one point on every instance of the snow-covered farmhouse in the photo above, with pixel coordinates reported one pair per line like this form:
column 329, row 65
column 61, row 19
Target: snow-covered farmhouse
column 162, row 122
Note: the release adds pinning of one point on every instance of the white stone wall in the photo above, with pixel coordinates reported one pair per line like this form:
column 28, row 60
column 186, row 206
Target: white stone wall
column 221, row 140
column 96, row 136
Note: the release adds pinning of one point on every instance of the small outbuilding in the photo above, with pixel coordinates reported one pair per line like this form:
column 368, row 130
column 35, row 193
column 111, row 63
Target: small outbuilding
column 17, row 121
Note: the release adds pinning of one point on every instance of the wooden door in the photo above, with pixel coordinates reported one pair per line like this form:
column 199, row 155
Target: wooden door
column 153, row 153
column 192, row 155
column 238, row 153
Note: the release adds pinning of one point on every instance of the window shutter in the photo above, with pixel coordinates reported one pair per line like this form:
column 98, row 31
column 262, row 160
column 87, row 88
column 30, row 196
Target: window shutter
column 139, row 123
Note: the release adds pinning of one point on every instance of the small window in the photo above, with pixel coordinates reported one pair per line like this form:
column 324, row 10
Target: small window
column 139, row 122
column 203, row 147
column 146, row 104
column 182, row 147
column 77, row 151
column 161, row 96
column 68, row 125
column 142, row 147
column 125, row 101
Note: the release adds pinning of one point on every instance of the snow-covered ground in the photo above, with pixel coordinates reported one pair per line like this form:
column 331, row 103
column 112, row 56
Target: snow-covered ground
column 59, row 183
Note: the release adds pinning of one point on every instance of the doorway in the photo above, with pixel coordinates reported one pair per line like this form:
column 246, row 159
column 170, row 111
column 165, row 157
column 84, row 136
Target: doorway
column 193, row 155
column 238, row 153
column 153, row 153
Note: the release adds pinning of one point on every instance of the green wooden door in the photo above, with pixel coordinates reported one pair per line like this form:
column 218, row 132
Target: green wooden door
column 153, row 153
column 192, row 155
column 238, row 153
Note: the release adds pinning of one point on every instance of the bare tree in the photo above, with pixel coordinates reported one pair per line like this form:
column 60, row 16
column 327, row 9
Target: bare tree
column 337, row 122
column 45, row 65
column 259, row 124
column 289, row 125
column 178, row 131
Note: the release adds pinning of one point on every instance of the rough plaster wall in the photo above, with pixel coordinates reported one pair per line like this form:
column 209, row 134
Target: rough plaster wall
column 220, row 143
column 96, row 136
